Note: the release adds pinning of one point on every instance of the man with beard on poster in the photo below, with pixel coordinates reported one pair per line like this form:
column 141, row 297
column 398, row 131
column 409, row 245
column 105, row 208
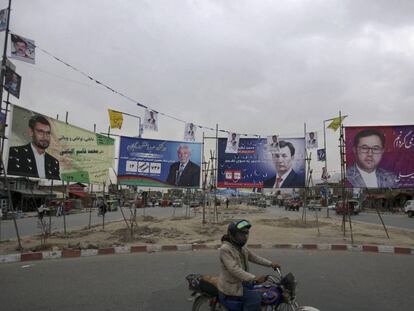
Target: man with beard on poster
column 32, row 160
column 184, row 173
column 286, row 177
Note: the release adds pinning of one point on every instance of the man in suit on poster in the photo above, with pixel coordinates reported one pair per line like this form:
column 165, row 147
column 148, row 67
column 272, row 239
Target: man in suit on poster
column 285, row 176
column 274, row 143
column 312, row 142
column 32, row 160
column 184, row 173
column 232, row 144
column 368, row 148
column 20, row 48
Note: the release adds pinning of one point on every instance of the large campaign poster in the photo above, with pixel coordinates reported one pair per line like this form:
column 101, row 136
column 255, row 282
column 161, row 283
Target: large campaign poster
column 380, row 156
column 259, row 163
column 159, row 163
column 43, row 147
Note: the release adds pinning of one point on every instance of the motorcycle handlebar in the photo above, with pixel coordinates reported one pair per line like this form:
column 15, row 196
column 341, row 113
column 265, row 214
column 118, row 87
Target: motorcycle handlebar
column 278, row 270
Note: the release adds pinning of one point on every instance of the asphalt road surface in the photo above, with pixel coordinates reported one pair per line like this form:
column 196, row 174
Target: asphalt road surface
column 395, row 220
column 328, row 280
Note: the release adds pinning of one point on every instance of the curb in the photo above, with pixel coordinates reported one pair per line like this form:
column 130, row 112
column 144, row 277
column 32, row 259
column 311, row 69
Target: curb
column 74, row 253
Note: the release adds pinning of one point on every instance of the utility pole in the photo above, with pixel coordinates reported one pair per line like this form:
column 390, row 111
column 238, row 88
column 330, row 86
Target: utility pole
column 3, row 62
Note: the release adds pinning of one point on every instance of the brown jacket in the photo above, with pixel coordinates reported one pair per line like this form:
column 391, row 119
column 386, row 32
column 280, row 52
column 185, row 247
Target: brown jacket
column 233, row 272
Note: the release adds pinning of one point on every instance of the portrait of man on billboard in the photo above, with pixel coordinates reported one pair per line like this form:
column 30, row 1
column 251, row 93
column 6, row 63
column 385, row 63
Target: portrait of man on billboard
column 22, row 49
column 273, row 141
column 32, row 160
column 312, row 140
column 184, row 173
column 368, row 149
column 151, row 120
column 189, row 133
column 283, row 158
column 12, row 82
column 232, row 143
column 3, row 19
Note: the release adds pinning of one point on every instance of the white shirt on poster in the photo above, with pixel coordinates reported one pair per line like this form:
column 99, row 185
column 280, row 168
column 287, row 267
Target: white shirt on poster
column 370, row 179
column 40, row 162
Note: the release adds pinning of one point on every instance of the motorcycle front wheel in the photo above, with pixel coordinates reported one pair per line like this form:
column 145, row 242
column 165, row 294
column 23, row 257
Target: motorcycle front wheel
column 286, row 307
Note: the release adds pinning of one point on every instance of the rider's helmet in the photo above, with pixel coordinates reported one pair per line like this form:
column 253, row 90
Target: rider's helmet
column 238, row 230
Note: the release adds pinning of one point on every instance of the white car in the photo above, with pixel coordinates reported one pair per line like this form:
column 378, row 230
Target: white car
column 177, row 203
column 332, row 206
column 409, row 208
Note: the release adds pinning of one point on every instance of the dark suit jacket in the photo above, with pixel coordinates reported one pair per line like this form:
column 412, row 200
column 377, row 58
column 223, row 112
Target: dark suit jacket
column 189, row 178
column 293, row 180
column 385, row 178
column 23, row 163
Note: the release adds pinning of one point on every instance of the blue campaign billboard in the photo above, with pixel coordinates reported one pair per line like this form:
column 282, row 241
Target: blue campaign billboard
column 262, row 163
column 159, row 163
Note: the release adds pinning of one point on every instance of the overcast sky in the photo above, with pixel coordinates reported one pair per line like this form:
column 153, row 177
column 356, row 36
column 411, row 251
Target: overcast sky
column 258, row 67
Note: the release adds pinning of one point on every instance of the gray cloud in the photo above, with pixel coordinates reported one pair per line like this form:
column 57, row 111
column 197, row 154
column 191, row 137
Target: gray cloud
column 251, row 66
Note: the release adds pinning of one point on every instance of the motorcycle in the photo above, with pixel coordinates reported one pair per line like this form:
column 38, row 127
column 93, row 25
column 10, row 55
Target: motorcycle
column 278, row 294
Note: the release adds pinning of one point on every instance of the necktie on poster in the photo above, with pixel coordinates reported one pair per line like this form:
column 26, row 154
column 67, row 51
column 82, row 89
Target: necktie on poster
column 278, row 181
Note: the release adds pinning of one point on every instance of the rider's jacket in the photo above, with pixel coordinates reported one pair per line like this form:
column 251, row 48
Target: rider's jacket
column 234, row 263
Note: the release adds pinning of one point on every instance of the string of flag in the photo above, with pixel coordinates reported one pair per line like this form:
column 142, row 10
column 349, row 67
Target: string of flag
column 24, row 49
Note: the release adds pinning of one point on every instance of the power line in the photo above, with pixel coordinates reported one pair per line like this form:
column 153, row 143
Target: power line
column 109, row 88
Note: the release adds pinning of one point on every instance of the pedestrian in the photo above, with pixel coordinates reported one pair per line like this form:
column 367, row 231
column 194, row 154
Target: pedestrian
column 59, row 209
column 227, row 202
column 41, row 211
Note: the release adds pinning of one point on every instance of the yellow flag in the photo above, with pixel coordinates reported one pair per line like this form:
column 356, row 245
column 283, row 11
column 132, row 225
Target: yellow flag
column 336, row 123
column 115, row 119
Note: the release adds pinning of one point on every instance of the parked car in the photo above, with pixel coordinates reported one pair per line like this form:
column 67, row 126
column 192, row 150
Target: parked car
column 314, row 205
column 263, row 203
column 350, row 206
column 409, row 208
column 194, row 204
column 177, row 203
column 332, row 206
column 293, row 204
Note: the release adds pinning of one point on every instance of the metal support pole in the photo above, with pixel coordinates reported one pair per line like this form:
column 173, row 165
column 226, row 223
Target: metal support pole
column 140, row 127
column 103, row 207
column 326, row 170
column 203, row 182
column 307, row 170
column 216, row 177
column 3, row 62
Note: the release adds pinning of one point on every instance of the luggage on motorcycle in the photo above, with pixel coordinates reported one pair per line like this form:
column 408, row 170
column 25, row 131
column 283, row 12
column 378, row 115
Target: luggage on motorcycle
column 203, row 284
column 289, row 283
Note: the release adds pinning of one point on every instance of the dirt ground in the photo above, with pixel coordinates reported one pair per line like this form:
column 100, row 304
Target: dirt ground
column 267, row 229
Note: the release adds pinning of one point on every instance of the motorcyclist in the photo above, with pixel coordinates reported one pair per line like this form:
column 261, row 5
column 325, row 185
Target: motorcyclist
column 235, row 281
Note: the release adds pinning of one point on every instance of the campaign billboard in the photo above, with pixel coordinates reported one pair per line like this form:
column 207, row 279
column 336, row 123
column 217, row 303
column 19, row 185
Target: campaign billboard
column 43, row 147
column 259, row 163
column 380, row 156
column 159, row 163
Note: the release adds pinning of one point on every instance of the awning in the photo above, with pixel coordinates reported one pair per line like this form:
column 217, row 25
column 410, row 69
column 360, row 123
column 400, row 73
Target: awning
column 34, row 192
column 376, row 196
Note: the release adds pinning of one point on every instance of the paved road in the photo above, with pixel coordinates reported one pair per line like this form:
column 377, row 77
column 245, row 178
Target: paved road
column 395, row 220
column 333, row 281
column 29, row 225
